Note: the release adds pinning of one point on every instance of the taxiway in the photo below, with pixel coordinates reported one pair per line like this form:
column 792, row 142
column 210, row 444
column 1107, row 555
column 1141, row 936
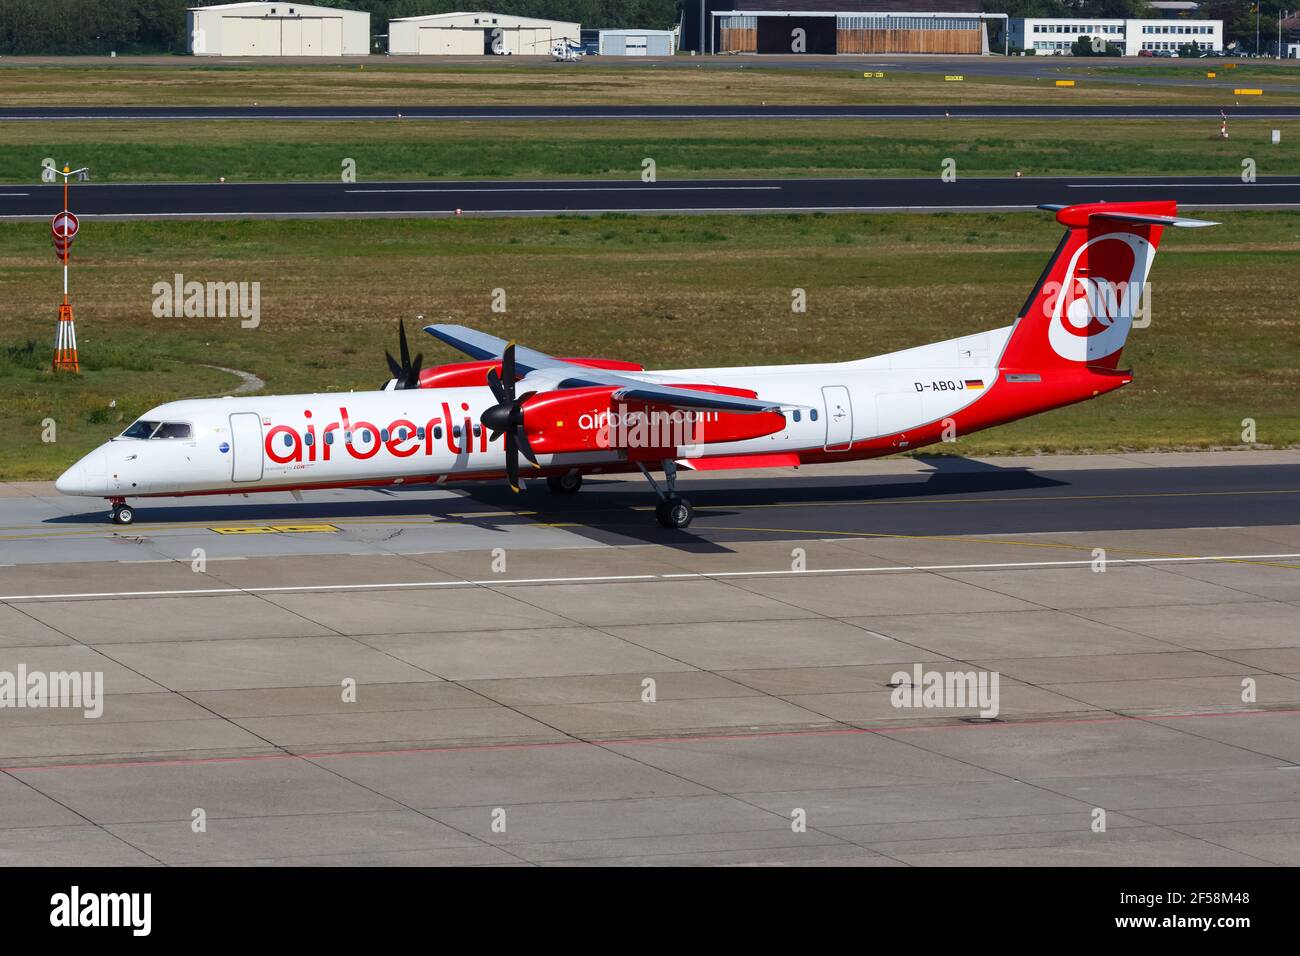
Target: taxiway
column 770, row 631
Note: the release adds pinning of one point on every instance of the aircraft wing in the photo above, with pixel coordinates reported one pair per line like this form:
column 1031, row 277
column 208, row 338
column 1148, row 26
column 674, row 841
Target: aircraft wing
column 561, row 374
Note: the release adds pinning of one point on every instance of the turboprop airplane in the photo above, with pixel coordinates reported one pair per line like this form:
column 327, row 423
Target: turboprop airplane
column 572, row 417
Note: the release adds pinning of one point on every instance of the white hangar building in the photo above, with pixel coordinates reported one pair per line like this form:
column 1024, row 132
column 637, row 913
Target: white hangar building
column 476, row 34
column 277, row 29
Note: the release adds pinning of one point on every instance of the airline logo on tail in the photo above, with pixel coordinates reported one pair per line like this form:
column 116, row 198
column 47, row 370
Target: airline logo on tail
column 1092, row 310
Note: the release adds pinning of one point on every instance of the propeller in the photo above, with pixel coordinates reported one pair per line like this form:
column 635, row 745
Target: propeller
column 507, row 416
column 406, row 374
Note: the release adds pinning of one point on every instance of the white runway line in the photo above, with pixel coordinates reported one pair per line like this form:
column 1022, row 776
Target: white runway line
column 1173, row 185
column 615, row 578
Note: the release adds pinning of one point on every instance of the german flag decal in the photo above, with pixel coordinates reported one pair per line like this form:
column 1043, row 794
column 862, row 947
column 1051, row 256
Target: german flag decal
column 974, row 383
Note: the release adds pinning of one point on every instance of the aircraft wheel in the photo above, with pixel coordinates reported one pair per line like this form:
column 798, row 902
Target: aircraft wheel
column 567, row 484
column 674, row 513
column 123, row 514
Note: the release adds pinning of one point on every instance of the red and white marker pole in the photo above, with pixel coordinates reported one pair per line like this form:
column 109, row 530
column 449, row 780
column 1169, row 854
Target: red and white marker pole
column 64, row 228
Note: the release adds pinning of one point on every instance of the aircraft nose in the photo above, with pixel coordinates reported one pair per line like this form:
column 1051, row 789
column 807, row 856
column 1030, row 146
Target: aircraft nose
column 72, row 481
column 87, row 477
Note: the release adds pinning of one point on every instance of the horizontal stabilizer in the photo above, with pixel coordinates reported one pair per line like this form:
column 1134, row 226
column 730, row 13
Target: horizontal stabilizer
column 1093, row 211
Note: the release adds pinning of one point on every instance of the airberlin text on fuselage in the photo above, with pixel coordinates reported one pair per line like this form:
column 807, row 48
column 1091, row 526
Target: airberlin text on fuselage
column 402, row 438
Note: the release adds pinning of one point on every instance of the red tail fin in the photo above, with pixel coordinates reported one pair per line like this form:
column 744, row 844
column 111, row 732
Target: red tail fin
column 1082, row 308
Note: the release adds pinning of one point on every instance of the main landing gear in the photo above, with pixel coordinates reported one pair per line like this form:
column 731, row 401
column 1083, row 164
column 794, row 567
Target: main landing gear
column 122, row 513
column 566, row 484
column 673, row 511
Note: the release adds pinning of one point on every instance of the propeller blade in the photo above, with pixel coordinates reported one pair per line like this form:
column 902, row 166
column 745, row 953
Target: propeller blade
column 522, row 437
column 413, row 380
column 508, row 370
column 506, row 417
column 494, row 383
column 397, row 370
column 405, row 350
column 512, row 461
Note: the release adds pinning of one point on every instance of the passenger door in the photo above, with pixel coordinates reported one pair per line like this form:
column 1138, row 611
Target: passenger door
column 839, row 417
column 245, row 447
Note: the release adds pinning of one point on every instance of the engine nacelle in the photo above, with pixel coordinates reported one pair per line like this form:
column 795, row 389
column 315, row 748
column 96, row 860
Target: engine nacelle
column 581, row 420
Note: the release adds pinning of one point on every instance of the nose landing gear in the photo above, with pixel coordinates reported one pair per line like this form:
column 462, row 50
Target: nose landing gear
column 122, row 513
column 673, row 511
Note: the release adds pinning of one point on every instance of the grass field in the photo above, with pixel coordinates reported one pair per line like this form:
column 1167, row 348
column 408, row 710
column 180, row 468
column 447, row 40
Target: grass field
column 1241, row 73
column 398, row 149
column 668, row 291
column 742, row 81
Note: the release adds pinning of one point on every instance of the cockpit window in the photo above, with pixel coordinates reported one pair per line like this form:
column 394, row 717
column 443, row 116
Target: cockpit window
column 141, row 429
column 173, row 430
column 147, row 429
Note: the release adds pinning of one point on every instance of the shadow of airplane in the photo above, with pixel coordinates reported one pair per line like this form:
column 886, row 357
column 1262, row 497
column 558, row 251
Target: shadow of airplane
column 604, row 510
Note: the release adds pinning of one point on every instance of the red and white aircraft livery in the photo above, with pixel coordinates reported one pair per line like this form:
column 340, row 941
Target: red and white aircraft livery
column 570, row 417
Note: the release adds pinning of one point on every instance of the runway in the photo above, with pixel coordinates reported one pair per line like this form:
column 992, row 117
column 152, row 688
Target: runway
column 551, row 197
column 1205, row 113
column 618, row 695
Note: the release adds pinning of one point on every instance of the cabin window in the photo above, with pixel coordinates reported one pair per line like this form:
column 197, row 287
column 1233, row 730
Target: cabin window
column 329, row 438
column 812, row 413
column 288, row 440
column 419, row 433
column 437, row 431
column 383, row 434
column 402, row 434
column 141, row 429
column 309, row 439
column 365, row 435
column 455, row 431
column 798, row 415
column 478, row 430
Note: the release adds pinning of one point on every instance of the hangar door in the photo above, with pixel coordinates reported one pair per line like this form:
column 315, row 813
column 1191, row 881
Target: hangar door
column 529, row 41
column 450, row 41
column 781, row 35
column 250, row 36
column 282, row 36
column 314, row 36
column 523, row 40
